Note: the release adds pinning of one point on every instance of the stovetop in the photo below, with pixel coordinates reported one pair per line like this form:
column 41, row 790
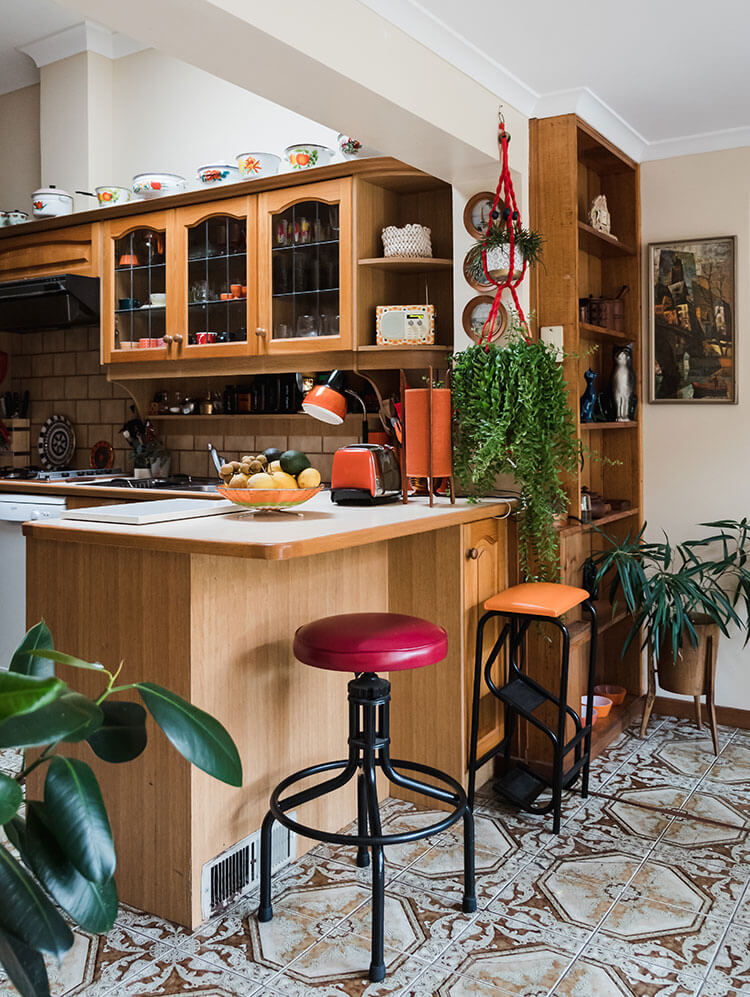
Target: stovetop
column 33, row 473
column 175, row 482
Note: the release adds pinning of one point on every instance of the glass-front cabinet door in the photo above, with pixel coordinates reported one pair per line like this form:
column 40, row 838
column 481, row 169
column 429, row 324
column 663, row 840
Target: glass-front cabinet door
column 305, row 268
column 216, row 283
column 136, row 303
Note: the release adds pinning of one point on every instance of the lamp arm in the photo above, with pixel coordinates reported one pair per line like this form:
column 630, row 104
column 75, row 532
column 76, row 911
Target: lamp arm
column 353, row 394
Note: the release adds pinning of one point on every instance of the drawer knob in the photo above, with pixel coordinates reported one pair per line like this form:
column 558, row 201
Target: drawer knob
column 167, row 339
column 260, row 331
column 178, row 338
column 473, row 553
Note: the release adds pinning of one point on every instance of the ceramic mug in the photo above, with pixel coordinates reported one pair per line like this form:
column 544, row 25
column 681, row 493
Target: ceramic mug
column 159, row 299
column 236, row 290
column 128, row 304
column 205, row 338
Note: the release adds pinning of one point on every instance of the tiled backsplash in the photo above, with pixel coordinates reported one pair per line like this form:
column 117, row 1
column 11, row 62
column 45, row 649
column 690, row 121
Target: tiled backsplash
column 61, row 370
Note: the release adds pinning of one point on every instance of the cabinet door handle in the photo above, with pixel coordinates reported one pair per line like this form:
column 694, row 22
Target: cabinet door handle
column 474, row 553
column 167, row 339
column 260, row 331
column 178, row 338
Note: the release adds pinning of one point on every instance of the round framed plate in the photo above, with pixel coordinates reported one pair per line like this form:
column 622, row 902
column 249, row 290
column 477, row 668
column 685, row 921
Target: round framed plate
column 477, row 213
column 102, row 455
column 57, row 443
column 262, row 499
column 475, row 315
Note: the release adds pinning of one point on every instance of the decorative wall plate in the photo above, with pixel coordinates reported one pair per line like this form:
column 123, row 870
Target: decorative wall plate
column 102, row 455
column 477, row 213
column 57, row 443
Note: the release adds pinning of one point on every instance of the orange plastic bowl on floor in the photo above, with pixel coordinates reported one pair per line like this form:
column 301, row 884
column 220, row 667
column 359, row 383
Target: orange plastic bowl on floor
column 268, row 498
column 594, row 717
column 601, row 704
column 616, row 693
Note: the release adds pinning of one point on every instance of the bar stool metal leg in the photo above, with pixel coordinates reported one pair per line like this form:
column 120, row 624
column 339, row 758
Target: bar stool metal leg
column 363, row 856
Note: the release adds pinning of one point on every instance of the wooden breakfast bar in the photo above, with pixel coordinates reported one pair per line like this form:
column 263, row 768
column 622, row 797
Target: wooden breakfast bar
column 208, row 607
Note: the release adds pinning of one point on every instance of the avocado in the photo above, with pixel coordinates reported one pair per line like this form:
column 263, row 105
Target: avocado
column 272, row 453
column 293, row 462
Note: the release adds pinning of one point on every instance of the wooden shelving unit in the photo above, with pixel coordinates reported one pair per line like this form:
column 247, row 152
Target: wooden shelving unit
column 570, row 165
column 407, row 264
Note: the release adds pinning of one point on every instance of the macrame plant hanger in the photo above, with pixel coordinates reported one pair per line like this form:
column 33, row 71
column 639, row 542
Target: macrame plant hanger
column 509, row 216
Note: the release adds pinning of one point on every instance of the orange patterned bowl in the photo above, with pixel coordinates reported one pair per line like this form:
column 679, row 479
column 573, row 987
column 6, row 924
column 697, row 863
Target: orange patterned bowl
column 268, row 498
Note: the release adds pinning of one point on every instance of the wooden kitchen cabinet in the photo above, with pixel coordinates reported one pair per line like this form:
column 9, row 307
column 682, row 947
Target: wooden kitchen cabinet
column 305, row 271
column 63, row 250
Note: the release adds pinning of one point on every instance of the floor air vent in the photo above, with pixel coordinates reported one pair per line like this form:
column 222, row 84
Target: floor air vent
column 237, row 871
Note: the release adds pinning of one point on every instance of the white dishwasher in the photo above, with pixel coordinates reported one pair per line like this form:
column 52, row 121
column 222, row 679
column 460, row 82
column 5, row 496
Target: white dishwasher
column 15, row 510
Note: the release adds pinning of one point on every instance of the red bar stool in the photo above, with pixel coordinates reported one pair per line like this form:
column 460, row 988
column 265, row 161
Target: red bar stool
column 522, row 604
column 366, row 643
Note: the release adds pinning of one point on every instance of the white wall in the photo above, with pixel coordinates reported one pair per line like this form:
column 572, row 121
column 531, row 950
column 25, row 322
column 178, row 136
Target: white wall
column 169, row 116
column 697, row 458
column 19, row 149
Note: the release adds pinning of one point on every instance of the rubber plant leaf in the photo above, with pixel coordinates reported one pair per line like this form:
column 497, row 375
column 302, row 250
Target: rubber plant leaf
column 38, row 638
column 75, row 809
column 68, row 659
column 11, row 798
column 195, row 734
column 122, row 736
column 27, row 914
column 21, row 694
column 91, row 905
column 24, row 966
column 70, row 717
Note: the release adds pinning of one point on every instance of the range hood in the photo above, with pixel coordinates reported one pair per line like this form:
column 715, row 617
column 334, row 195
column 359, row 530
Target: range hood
column 49, row 303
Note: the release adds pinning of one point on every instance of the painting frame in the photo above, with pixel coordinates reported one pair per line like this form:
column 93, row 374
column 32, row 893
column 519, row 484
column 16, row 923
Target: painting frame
column 691, row 311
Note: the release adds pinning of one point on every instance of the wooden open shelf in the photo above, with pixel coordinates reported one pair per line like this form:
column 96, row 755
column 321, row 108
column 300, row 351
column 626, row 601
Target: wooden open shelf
column 414, row 349
column 618, row 719
column 600, row 244
column 580, row 632
column 407, row 264
column 597, row 331
column 589, row 426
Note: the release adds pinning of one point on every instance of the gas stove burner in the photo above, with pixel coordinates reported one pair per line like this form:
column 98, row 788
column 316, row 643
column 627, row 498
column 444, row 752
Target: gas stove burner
column 19, row 473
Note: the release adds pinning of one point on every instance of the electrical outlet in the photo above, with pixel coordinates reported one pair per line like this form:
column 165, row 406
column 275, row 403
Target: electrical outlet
column 553, row 334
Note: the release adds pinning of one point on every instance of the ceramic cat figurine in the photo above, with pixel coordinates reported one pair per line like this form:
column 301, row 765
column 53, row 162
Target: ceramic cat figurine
column 622, row 383
column 588, row 398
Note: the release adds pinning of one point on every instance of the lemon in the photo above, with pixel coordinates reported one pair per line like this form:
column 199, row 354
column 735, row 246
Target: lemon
column 283, row 480
column 273, row 466
column 309, row 478
column 261, row 480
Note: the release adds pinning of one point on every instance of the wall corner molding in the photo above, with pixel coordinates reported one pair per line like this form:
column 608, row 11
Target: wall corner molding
column 88, row 36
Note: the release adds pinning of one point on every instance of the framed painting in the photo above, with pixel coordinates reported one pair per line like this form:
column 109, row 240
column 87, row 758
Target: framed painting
column 693, row 321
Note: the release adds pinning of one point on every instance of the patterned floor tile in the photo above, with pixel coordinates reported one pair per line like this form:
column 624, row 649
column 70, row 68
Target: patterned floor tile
column 175, row 972
column 569, row 892
column 720, row 879
column 337, row 966
column 441, row 982
column 634, row 778
column 604, row 825
column 156, row 928
column 677, row 938
column 592, row 977
column 742, row 914
column 732, row 767
column 732, row 966
column 416, row 922
column 11, row 761
column 511, row 956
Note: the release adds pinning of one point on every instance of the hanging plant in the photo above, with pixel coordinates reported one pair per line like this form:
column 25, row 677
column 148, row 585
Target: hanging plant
column 512, row 416
column 496, row 243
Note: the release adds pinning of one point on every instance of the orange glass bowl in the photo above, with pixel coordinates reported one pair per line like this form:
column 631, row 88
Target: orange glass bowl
column 268, row 498
column 616, row 693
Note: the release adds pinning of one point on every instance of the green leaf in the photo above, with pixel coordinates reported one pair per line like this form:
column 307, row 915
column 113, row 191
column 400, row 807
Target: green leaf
column 91, row 905
column 24, row 966
column 69, row 659
column 27, row 913
column 122, row 736
column 11, row 798
column 23, row 693
column 71, row 717
column 38, row 638
column 195, row 734
column 76, row 811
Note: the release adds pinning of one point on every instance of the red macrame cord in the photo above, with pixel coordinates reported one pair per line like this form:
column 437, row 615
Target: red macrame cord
column 513, row 218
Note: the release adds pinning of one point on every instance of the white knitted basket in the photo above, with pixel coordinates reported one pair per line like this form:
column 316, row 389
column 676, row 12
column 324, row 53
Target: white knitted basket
column 411, row 240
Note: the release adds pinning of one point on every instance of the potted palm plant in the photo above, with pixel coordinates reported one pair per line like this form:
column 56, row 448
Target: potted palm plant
column 61, row 868
column 681, row 598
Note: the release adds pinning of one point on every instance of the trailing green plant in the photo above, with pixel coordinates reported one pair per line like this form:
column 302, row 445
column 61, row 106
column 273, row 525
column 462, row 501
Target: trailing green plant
column 67, row 852
column 665, row 586
column 512, row 416
column 528, row 243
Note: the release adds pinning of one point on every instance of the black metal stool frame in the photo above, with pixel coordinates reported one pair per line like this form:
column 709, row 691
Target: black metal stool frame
column 515, row 630
column 369, row 749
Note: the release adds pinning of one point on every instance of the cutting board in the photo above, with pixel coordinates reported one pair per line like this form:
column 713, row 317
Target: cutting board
column 158, row 511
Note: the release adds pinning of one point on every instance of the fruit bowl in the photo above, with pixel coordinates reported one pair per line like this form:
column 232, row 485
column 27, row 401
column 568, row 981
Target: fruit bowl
column 266, row 499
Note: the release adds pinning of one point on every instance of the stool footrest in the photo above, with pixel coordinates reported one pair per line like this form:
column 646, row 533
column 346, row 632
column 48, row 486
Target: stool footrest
column 576, row 739
column 520, row 785
column 522, row 696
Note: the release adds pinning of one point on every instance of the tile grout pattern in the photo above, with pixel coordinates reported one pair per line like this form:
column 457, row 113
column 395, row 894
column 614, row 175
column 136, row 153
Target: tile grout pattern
column 625, row 901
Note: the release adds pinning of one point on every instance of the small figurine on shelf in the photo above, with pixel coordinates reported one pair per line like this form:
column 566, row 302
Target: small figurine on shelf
column 588, row 398
column 622, row 383
column 599, row 215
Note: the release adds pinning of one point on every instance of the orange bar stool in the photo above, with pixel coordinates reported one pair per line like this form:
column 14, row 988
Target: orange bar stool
column 521, row 695
column 367, row 643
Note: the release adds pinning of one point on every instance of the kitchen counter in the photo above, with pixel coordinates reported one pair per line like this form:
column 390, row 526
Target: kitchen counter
column 317, row 527
column 68, row 488
column 209, row 608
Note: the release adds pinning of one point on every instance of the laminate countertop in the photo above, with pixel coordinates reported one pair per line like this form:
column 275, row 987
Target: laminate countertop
column 69, row 488
column 315, row 528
